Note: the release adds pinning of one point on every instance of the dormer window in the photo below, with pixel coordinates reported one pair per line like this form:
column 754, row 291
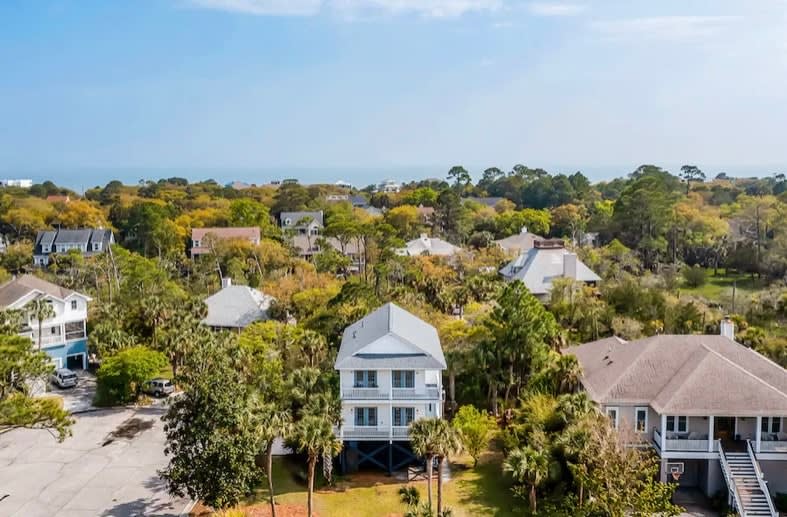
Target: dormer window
column 288, row 222
column 196, row 243
column 96, row 246
column 45, row 248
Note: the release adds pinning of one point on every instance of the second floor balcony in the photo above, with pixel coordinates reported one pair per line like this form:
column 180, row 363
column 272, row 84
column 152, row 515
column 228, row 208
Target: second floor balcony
column 377, row 393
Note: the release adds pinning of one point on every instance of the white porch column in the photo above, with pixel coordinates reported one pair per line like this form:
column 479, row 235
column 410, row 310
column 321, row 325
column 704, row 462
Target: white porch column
column 663, row 433
column 758, row 433
column 390, row 384
column 711, row 441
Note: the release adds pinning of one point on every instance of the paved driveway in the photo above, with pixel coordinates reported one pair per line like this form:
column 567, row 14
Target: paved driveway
column 81, row 397
column 107, row 468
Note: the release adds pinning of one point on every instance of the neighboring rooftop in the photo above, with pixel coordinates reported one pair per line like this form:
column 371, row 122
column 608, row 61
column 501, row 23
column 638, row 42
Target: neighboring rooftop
column 390, row 337
column 83, row 237
column 425, row 245
column 236, row 307
column 520, row 242
column 546, row 261
column 198, row 235
column 21, row 286
column 683, row 375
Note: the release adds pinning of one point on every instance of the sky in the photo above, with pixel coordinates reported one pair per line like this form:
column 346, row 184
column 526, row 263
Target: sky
column 393, row 84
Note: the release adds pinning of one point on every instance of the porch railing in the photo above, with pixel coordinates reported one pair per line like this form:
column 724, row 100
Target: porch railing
column 731, row 486
column 771, row 446
column 412, row 393
column 373, row 433
column 681, row 445
column 364, row 393
column 760, row 478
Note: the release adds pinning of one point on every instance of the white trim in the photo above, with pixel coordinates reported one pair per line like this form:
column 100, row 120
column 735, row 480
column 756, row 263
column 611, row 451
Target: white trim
column 58, row 362
column 637, row 410
column 617, row 414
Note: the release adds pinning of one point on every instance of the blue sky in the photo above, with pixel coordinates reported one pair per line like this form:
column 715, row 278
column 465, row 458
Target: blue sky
column 392, row 83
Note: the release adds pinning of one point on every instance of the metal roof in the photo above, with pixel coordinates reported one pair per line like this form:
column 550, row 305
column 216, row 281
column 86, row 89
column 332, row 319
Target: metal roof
column 403, row 341
column 236, row 306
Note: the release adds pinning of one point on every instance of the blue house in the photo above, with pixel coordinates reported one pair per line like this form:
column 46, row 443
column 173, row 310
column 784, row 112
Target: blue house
column 64, row 336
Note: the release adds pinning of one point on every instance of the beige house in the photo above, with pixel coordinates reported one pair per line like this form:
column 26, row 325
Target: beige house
column 713, row 410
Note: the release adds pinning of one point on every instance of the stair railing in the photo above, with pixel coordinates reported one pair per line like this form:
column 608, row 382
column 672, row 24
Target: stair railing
column 731, row 486
column 761, row 479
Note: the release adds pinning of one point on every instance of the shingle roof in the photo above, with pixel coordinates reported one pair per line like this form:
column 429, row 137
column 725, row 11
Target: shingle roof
column 83, row 236
column 430, row 245
column 520, row 242
column 236, row 306
column 537, row 267
column 684, row 375
column 390, row 337
column 19, row 287
column 295, row 217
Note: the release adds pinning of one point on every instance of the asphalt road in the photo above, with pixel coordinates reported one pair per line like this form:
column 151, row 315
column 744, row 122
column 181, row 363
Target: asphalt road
column 107, row 468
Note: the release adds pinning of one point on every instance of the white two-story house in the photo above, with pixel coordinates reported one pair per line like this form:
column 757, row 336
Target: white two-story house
column 63, row 337
column 712, row 409
column 390, row 366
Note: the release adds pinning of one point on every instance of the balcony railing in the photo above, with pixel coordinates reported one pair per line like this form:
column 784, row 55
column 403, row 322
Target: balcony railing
column 681, row 445
column 771, row 446
column 412, row 393
column 364, row 393
column 396, row 394
column 373, row 433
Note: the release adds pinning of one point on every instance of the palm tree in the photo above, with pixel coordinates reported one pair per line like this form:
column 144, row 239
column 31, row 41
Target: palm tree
column 528, row 466
column 448, row 443
column 271, row 422
column 40, row 310
column 569, row 373
column 314, row 436
column 424, row 440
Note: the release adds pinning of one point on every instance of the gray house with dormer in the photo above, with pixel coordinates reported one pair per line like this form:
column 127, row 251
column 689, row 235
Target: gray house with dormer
column 88, row 241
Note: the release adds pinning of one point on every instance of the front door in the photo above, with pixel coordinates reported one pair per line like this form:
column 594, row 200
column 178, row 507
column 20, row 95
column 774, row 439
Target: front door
column 724, row 428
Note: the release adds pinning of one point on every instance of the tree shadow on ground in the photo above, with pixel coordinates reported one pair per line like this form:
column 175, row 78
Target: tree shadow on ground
column 159, row 505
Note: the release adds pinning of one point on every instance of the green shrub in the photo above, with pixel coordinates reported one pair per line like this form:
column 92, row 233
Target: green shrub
column 694, row 276
column 120, row 377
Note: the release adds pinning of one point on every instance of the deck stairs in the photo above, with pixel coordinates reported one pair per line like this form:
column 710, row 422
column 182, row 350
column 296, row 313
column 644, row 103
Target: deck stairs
column 748, row 491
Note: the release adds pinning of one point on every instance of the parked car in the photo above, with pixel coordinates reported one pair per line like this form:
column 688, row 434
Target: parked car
column 64, row 378
column 159, row 387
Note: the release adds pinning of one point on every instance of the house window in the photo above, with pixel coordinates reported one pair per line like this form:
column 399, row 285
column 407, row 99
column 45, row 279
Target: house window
column 288, row 222
column 402, row 416
column 365, row 379
column 197, row 244
column 771, row 424
column 75, row 330
column 45, row 248
column 612, row 413
column 641, row 419
column 74, row 305
column 365, row 416
column 682, row 424
column 96, row 246
column 403, row 378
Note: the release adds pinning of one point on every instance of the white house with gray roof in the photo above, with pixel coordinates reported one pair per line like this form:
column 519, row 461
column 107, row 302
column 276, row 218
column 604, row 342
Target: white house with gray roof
column 88, row 241
column 539, row 266
column 390, row 367
column 431, row 246
column 235, row 307
column 712, row 409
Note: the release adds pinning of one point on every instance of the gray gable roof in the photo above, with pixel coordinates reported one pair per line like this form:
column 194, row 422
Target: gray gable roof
column 537, row 267
column 425, row 245
column 236, row 306
column 19, row 287
column 390, row 320
column 295, row 217
column 683, row 375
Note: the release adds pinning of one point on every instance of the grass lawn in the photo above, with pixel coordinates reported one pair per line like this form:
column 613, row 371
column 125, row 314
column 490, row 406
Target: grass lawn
column 718, row 288
column 470, row 492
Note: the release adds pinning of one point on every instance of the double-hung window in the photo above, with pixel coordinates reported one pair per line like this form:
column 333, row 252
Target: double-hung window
column 403, row 378
column 402, row 416
column 677, row 424
column 365, row 416
column 365, row 379
column 641, row 419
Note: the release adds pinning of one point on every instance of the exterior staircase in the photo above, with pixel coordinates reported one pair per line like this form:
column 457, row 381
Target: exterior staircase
column 747, row 488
